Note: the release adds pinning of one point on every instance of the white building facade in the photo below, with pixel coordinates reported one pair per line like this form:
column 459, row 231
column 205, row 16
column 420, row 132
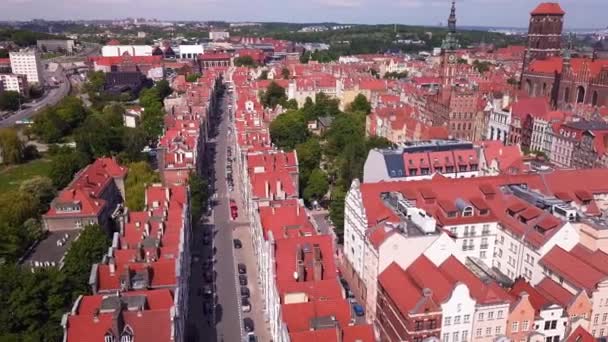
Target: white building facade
column 27, row 62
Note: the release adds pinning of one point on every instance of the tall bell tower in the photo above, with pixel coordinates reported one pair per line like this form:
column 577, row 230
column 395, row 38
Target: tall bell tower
column 449, row 60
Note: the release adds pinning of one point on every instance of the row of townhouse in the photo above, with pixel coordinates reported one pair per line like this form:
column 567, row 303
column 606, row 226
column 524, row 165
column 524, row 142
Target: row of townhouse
column 568, row 139
column 539, row 229
column 140, row 287
column 303, row 299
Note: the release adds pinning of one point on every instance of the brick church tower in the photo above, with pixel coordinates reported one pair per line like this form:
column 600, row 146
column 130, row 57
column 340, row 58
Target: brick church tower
column 545, row 31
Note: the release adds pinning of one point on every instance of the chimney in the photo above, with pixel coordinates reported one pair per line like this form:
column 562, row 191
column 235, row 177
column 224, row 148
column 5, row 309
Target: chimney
column 317, row 268
column 167, row 193
column 96, row 316
column 112, row 265
column 300, row 271
column 297, row 209
column 316, row 252
column 505, row 100
column 267, row 188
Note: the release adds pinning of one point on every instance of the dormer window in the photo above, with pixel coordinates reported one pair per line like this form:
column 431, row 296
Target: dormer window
column 108, row 337
column 468, row 211
column 452, row 213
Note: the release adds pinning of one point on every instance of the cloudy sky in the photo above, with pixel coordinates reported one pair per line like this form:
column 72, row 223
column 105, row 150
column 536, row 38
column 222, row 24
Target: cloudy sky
column 580, row 13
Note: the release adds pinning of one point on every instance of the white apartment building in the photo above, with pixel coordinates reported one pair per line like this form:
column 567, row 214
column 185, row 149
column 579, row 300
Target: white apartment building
column 219, row 35
column 190, row 51
column 27, row 62
column 499, row 122
column 126, row 50
column 13, row 82
column 458, row 312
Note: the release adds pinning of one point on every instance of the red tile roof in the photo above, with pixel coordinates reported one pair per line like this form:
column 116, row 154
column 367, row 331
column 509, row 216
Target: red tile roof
column 572, row 269
column 298, row 316
column 555, row 292
column 551, row 8
column 580, row 335
column 153, row 323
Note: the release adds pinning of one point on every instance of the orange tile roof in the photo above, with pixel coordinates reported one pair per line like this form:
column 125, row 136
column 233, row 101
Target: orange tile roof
column 551, row 8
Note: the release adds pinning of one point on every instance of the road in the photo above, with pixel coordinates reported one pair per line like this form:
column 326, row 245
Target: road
column 50, row 98
column 52, row 95
column 225, row 324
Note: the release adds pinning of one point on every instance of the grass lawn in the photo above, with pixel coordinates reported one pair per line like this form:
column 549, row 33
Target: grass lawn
column 12, row 176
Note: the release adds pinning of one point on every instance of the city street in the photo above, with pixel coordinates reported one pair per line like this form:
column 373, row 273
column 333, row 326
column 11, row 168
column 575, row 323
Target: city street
column 225, row 322
column 51, row 97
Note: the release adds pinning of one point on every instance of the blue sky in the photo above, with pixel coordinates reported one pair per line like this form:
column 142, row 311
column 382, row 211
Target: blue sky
column 580, row 13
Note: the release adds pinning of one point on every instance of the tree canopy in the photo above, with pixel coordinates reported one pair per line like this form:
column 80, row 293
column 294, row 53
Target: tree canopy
column 140, row 175
column 9, row 100
column 274, row 95
column 317, row 186
column 289, row 129
column 360, row 104
column 245, row 61
column 11, row 146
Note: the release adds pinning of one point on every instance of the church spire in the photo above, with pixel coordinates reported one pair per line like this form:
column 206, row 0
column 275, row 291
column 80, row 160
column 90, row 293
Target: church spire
column 452, row 18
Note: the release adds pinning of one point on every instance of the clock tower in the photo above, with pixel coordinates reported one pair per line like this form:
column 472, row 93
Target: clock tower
column 449, row 60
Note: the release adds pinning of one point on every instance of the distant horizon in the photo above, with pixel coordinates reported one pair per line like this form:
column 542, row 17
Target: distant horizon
column 484, row 13
column 464, row 27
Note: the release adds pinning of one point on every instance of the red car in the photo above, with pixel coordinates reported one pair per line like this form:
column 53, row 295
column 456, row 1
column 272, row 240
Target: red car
column 234, row 210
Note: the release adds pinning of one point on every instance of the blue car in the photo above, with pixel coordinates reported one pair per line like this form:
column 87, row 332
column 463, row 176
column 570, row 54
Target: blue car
column 359, row 311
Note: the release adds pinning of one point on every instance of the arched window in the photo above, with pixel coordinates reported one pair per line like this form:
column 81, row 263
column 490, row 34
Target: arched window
column 544, row 89
column 594, row 98
column 580, row 94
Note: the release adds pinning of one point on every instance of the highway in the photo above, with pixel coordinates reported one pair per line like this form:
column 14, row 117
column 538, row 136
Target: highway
column 52, row 95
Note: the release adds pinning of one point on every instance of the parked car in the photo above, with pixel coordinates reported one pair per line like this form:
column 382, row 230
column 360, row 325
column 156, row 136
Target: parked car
column 208, row 308
column 248, row 324
column 208, row 290
column 245, row 305
column 242, row 269
column 245, row 292
column 209, row 276
column 237, row 244
column 207, row 264
column 242, row 279
column 252, row 338
column 358, row 309
column 206, row 239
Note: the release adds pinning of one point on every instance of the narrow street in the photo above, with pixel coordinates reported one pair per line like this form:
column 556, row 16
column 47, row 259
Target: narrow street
column 214, row 252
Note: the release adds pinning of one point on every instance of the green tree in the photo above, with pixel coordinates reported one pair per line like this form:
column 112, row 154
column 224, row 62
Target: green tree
column 274, row 95
column 9, row 100
column 360, row 104
column 244, row 61
column 97, row 138
column 164, row 89
column 64, row 165
column 336, row 211
column 140, row 175
column 316, row 187
column 41, row 189
column 91, row 245
column 309, row 157
column 285, row 73
column 199, row 195
column 95, row 83
column 193, row 77
column 16, row 207
column 11, row 146
column 113, row 115
column 288, row 130
column 133, row 140
column 481, row 67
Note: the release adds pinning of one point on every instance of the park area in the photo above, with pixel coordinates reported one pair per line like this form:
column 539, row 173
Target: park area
column 12, row 176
